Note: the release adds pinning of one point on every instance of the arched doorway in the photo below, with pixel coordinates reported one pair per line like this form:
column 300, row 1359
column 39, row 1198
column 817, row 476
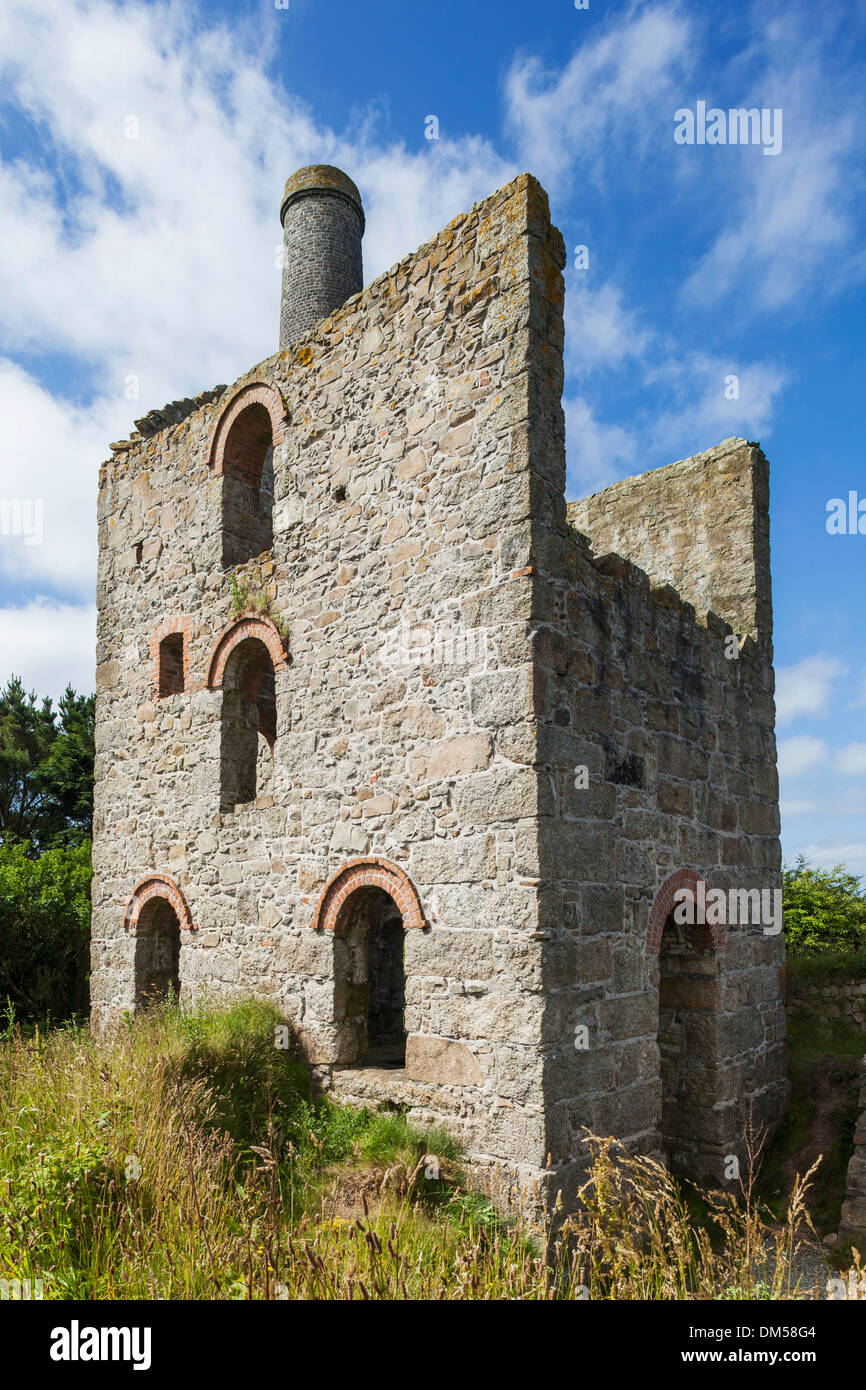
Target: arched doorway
column 689, row 1005
column 248, row 723
column 369, row 905
column 157, row 953
column 371, row 979
column 690, row 950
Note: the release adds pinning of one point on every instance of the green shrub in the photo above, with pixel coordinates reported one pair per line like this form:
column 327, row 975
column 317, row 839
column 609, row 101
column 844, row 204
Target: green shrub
column 825, row 910
column 258, row 1093
column 45, row 931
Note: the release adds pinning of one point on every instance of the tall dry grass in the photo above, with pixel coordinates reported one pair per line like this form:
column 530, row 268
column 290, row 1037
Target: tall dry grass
column 188, row 1160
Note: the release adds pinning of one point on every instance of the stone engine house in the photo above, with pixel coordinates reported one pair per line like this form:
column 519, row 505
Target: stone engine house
column 391, row 736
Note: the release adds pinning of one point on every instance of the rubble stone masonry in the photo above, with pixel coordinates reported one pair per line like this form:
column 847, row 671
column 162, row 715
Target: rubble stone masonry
column 407, row 681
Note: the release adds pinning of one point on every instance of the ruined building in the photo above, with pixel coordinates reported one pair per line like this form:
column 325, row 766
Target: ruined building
column 390, row 736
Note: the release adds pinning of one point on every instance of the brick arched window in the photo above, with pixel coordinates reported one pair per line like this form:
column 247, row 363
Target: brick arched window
column 330, row 913
column 707, row 935
column 368, row 905
column 156, row 886
column 155, row 915
column 244, row 666
column 242, row 452
column 263, row 630
column 169, row 656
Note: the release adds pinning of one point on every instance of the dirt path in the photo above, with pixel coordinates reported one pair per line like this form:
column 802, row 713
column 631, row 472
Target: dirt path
column 827, row 1097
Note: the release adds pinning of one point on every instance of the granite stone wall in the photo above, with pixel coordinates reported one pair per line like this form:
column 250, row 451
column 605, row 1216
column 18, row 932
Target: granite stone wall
column 853, row 1222
column 402, row 523
column 395, row 697
column 832, row 999
column 657, row 754
column 701, row 525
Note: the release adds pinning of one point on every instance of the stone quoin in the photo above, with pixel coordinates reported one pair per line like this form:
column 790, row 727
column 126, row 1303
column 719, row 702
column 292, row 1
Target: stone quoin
column 385, row 836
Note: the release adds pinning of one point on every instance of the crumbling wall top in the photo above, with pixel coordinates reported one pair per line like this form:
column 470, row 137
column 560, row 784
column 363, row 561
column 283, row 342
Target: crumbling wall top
column 700, row 525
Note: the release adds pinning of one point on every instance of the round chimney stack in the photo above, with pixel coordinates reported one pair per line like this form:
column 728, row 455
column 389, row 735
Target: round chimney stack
column 323, row 222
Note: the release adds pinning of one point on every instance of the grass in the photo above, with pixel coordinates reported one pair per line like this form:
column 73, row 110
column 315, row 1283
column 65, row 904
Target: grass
column 826, row 966
column 250, row 594
column 823, row 1054
column 189, row 1160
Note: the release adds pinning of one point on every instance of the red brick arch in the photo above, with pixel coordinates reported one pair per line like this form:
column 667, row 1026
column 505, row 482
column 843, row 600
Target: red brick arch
column 663, row 905
column 256, row 393
column 263, row 629
column 157, row 886
column 366, row 873
column 180, row 624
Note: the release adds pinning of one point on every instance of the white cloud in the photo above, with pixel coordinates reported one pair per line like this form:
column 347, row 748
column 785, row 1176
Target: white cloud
column 163, row 262
column 805, row 687
column 604, row 98
column 704, row 412
column 797, row 755
column 789, row 809
column 49, row 645
column 409, row 197
column 597, row 454
column 609, row 111
column 50, row 457
column 851, row 854
column 789, row 223
column 851, row 760
column 780, row 226
column 599, row 330
column 151, row 262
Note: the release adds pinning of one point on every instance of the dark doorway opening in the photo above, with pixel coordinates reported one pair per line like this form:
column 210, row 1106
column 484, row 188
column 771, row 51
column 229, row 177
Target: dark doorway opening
column 371, row 980
column 157, row 954
column 385, row 1027
column 689, row 1001
column 249, row 724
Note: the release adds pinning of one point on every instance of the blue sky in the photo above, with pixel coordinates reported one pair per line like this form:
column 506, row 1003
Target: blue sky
column 143, row 148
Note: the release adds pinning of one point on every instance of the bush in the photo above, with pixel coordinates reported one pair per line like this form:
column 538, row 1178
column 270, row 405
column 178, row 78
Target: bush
column 45, row 931
column 825, row 910
column 258, row 1093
